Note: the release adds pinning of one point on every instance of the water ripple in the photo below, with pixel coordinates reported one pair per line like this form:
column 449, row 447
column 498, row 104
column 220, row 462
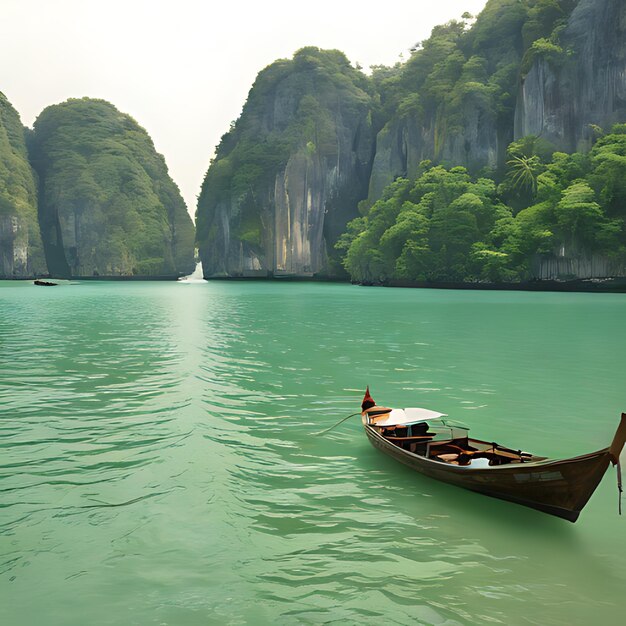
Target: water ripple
column 158, row 462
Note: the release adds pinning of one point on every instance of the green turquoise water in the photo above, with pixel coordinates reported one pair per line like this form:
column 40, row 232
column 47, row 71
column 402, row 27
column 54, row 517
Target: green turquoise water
column 158, row 463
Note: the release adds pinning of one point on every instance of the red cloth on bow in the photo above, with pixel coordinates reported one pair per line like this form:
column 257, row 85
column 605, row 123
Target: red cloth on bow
column 368, row 401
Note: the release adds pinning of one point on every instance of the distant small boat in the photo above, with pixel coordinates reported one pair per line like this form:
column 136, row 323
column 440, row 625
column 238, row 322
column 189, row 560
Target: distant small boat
column 437, row 447
column 45, row 283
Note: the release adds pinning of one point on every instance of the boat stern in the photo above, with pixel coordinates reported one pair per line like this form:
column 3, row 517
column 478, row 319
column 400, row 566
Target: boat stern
column 618, row 441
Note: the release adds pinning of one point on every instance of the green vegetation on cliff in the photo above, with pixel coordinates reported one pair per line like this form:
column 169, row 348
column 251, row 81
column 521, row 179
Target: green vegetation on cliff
column 423, row 229
column 21, row 252
column 470, row 203
column 447, row 226
column 305, row 131
column 481, row 158
column 107, row 203
column 453, row 102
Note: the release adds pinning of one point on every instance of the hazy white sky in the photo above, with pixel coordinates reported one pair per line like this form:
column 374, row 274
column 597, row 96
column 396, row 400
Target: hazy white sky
column 183, row 68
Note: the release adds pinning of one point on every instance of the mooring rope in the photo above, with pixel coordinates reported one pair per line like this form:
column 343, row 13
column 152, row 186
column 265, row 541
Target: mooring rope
column 321, row 432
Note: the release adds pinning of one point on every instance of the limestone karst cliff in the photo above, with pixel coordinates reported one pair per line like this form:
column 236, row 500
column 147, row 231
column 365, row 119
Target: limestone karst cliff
column 107, row 205
column 21, row 252
column 453, row 101
column 318, row 136
column 502, row 95
column 554, row 69
column 288, row 175
column 575, row 87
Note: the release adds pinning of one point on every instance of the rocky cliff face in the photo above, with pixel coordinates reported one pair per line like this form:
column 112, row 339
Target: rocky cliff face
column 107, row 204
column 291, row 171
column 555, row 70
column 451, row 103
column 21, row 253
column 567, row 92
column 404, row 143
column 288, row 176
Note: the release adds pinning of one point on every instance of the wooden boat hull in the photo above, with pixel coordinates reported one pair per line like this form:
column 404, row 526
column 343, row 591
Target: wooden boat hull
column 560, row 488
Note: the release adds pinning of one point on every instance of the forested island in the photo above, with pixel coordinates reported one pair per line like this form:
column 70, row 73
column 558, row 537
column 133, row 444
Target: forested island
column 92, row 193
column 107, row 204
column 495, row 154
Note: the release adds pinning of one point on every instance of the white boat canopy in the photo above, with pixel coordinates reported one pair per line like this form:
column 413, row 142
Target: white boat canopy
column 404, row 417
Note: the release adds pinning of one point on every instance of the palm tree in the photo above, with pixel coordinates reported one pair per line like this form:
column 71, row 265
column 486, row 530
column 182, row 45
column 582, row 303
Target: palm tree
column 523, row 172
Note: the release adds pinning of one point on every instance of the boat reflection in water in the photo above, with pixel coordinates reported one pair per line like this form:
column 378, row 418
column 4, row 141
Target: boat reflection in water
column 439, row 448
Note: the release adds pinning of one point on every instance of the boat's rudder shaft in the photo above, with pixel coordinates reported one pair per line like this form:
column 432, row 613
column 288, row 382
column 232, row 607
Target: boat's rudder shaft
column 618, row 441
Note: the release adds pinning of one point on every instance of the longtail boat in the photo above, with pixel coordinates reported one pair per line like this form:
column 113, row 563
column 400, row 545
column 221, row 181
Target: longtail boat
column 431, row 444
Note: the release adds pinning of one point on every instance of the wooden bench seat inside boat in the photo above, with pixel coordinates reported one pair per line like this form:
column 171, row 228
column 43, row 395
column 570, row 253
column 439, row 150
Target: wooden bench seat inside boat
column 451, row 445
column 451, row 458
